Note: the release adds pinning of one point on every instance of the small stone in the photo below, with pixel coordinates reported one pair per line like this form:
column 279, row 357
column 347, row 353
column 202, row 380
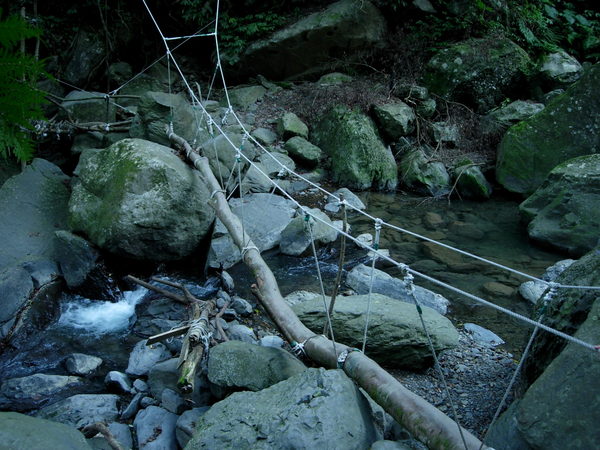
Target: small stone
column 290, row 125
column 271, row 341
column 172, row 401
column 495, row 288
column 147, row 401
column 118, row 381
column 80, row 364
column 143, row 357
column 241, row 306
column 242, row 333
column 264, row 136
column 365, row 238
column 133, row 407
column 483, row 335
column 140, row 385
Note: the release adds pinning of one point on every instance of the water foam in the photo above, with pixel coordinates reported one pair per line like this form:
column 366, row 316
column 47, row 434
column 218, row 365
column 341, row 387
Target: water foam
column 97, row 317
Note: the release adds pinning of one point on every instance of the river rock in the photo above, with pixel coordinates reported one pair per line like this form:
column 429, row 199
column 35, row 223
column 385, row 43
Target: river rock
column 156, row 110
column 359, row 160
column 81, row 410
column 424, row 175
column 264, row 229
column 118, row 381
column 143, row 357
column 172, row 401
column 560, row 68
column 470, row 182
column 563, row 212
column 83, row 106
column 82, row 364
column 482, row 335
column 290, row 125
column 85, row 56
column 155, row 429
column 76, row 257
column 239, row 332
column 395, row 119
column 121, row 433
column 186, row 424
column 399, row 340
column 495, row 288
column 568, row 127
column 359, row 279
column 478, row 72
column 264, row 136
column 24, row 393
column 137, row 199
column 533, row 290
column 343, row 26
column 351, row 199
column 259, row 177
column 516, row 111
column 271, row 341
column 236, row 365
column 163, row 375
column 21, row 432
column 303, row 151
column 313, row 409
column 296, row 238
column 133, row 407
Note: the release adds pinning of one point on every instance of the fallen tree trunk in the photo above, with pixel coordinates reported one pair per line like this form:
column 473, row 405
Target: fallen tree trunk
column 423, row 420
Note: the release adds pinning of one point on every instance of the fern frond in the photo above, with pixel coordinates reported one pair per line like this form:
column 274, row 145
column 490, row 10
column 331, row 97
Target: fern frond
column 13, row 29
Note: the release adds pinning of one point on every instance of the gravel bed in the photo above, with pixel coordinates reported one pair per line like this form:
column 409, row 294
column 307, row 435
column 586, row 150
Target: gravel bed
column 477, row 377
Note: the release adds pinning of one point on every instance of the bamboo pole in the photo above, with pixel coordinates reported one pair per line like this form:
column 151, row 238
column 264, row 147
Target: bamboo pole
column 423, row 420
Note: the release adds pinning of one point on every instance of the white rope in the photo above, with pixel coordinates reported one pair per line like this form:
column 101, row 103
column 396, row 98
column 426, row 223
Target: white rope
column 189, row 36
column 308, row 223
column 368, row 315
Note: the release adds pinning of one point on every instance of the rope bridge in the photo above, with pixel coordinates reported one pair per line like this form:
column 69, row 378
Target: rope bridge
column 310, row 219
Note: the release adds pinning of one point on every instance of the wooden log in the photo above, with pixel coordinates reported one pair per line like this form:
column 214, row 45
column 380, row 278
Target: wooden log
column 189, row 367
column 179, row 331
column 419, row 417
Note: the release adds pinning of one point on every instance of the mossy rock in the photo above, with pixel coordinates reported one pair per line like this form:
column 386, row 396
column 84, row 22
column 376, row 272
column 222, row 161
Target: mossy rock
column 568, row 127
column 478, row 72
column 359, row 159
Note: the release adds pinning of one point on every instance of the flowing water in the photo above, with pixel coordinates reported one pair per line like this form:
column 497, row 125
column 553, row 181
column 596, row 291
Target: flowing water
column 490, row 229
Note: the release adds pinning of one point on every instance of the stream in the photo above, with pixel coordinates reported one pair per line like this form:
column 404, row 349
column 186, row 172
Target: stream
column 490, row 229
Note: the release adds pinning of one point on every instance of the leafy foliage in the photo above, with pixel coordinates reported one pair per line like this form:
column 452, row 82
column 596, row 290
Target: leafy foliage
column 20, row 101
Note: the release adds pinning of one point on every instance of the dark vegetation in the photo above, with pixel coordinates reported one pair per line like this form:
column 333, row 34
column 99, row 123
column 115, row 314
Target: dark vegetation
column 48, row 33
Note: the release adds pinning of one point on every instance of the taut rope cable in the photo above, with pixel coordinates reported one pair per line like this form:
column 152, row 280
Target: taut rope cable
column 368, row 315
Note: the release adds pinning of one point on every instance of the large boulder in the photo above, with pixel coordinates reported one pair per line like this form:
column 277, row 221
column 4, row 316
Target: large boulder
column 156, row 110
column 139, row 200
column 21, row 432
column 316, row 43
column 34, row 206
column 264, row 216
column 236, row 365
column 395, row 119
column 85, row 57
column 566, row 311
column 563, row 211
column 359, row 279
column 359, row 159
column 396, row 337
column 317, row 408
column 155, row 429
column 561, row 409
column 568, row 127
column 478, row 72
column 560, row 68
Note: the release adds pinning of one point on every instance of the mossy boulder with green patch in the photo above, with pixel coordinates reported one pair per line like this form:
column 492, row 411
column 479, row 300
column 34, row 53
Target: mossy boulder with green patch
column 564, row 212
column 470, row 181
column 139, row 200
column 359, row 159
column 478, row 72
column 395, row 119
column 424, row 175
column 568, row 127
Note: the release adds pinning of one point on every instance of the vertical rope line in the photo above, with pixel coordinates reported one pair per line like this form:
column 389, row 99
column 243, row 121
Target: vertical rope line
column 369, row 301
column 408, row 278
column 547, row 297
column 314, row 250
column 239, row 171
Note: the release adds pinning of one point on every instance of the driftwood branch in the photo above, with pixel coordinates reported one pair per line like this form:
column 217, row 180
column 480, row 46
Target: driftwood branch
column 194, row 348
column 168, row 294
column 419, row 417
